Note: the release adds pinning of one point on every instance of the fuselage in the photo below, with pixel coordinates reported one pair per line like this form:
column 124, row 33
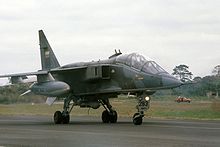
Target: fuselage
column 120, row 74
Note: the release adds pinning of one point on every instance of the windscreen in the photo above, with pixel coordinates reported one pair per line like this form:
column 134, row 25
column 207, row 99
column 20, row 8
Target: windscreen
column 139, row 62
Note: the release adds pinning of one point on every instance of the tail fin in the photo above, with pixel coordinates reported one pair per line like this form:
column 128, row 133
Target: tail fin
column 48, row 58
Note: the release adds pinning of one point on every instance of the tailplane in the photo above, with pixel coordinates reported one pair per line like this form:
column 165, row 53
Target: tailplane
column 48, row 58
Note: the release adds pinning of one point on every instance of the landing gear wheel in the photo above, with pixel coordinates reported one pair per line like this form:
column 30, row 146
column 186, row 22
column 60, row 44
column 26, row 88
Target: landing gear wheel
column 105, row 117
column 113, row 117
column 137, row 119
column 66, row 119
column 57, row 117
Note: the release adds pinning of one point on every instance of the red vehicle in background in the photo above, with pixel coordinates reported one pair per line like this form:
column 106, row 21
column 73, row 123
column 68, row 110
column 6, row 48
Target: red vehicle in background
column 182, row 99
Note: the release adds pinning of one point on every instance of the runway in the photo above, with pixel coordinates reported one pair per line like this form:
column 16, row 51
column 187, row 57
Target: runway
column 89, row 131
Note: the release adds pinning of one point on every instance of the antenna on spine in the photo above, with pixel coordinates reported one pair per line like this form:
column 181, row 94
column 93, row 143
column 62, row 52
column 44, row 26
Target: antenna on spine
column 116, row 54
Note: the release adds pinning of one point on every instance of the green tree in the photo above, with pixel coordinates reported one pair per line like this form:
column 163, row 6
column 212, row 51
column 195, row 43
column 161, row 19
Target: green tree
column 216, row 70
column 182, row 73
column 197, row 79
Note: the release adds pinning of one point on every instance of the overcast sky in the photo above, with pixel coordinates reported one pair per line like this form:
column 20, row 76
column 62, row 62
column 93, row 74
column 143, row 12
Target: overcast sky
column 171, row 32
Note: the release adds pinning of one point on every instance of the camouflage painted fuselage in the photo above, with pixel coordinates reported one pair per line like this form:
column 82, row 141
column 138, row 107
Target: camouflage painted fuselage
column 110, row 78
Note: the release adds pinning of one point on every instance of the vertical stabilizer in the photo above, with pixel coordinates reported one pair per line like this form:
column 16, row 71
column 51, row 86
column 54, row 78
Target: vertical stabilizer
column 48, row 58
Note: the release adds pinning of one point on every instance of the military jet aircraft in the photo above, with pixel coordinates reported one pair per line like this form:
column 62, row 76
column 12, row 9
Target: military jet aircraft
column 91, row 84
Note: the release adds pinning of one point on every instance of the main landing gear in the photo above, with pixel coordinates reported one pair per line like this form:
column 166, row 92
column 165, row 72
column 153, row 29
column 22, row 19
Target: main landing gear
column 143, row 105
column 64, row 117
column 108, row 115
column 61, row 118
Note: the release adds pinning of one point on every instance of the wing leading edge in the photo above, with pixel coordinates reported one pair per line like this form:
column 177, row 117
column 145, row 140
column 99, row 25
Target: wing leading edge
column 21, row 77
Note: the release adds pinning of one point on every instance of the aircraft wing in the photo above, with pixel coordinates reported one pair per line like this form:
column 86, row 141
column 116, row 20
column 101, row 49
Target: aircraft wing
column 22, row 77
column 24, row 74
column 19, row 77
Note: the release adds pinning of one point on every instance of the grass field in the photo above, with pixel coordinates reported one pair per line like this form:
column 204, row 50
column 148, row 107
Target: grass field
column 209, row 110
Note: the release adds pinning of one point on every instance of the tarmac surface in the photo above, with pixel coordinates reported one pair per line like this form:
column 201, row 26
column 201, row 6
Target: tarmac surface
column 89, row 131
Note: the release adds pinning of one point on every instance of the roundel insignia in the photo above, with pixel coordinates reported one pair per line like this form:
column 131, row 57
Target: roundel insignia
column 47, row 54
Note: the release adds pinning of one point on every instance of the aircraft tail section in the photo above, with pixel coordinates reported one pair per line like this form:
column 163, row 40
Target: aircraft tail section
column 48, row 58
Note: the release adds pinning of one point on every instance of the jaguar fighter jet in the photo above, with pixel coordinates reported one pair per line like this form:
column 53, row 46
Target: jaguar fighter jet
column 92, row 84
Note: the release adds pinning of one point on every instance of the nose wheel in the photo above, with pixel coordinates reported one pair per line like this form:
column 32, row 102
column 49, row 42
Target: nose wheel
column 142, row 106
column 137, row 119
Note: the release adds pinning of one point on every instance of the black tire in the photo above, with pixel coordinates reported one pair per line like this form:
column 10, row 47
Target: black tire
column 105, row 117
column 58, row 117
column 136, row 114
column 137, row 120
column 113, row 117
column 66, row 119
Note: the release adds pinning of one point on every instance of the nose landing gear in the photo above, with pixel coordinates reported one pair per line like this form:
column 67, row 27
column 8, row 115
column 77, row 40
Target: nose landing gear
column 142, row 106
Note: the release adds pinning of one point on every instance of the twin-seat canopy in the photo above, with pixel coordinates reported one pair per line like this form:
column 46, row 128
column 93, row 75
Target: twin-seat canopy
column 138, row 61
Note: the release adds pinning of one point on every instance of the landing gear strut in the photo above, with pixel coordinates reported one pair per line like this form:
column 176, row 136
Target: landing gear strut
column 64, row 117
column 143, row 105
column 108, row 115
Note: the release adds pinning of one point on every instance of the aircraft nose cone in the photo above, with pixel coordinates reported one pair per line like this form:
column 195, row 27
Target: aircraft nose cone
column 170, row 81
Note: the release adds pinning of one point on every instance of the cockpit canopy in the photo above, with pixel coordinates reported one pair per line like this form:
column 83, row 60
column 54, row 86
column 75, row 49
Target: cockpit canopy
column 138, row 61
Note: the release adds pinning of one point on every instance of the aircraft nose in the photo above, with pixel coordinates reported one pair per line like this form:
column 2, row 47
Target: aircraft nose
column 170, row 81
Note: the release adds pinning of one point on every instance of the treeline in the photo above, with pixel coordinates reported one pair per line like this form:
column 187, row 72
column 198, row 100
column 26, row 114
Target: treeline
column 199, row 87
column 11, row 94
